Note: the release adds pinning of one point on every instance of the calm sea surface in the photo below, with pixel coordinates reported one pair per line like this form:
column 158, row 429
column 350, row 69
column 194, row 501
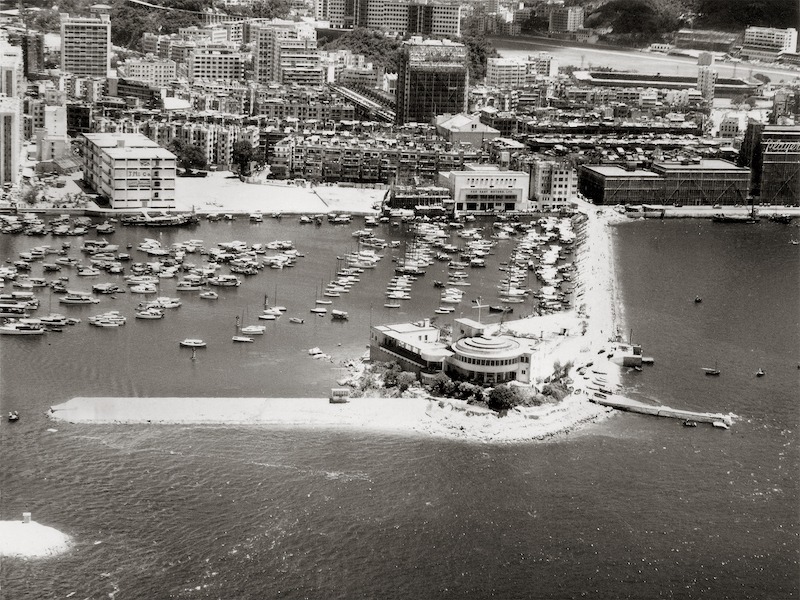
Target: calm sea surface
column 633, row 507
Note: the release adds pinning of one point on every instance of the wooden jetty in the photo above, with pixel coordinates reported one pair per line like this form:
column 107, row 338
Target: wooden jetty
column 622, row 403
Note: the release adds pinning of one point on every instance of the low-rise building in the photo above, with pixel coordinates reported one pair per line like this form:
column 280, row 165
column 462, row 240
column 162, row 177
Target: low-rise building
column 687, row 182
column 486, row 188
column 474, row 356
column 612, row 184
column 767, row 43
column 414, row 346
column 702, row 182
column 129, row 170
column 465, row 129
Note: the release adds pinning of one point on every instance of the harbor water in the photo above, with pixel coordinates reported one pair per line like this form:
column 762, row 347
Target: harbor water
column 630, row 507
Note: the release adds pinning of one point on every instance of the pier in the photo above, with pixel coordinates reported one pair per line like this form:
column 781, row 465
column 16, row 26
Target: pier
column 626, row 404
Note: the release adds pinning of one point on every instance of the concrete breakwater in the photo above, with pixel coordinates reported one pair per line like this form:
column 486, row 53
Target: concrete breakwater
column 626, row 404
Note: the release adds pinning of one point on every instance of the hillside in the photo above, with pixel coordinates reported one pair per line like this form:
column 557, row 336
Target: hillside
column 639, row 22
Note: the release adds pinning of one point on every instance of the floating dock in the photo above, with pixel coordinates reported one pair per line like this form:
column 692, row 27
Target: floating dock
column 622, row 403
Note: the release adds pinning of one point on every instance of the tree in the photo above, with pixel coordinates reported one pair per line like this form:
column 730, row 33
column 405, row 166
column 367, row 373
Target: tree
column 382, row 51
column 243, row 154
column 405, row 380
column 263, row 9
column 504, row 397
column 190, row 156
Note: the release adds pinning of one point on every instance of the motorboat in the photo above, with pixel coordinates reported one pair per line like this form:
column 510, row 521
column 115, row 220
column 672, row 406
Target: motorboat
column 209, row 295
column 21, row 328
column 165, row 302
column 107, row 288
column 320, row 310
column 150, row 313
column 711, row 371
column 698, row 299
column 242, row 338
column 268, row 317
column 254, row 330
column 13, row 417
column 111, row 318
column 53, row 320
column 297, row 320
column 192, row 343
column 78, row 298
column 339, row 315
column 144, row 288
column 225, row 281
column 760, row 373
column 689, row 423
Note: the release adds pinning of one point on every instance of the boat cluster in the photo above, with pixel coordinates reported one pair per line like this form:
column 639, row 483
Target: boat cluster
column 31, row 224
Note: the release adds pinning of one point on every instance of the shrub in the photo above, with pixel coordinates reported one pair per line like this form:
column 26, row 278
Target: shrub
column 505, row 397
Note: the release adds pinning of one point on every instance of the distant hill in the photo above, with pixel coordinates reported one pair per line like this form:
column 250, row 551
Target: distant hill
column 642, row 21
column 734, row 15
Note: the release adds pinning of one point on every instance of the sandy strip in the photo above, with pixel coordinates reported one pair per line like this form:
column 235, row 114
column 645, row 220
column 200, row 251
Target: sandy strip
column 435, row 417
column 31, row 540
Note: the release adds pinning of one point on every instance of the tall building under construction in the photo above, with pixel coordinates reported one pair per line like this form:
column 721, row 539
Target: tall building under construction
column 433, row 80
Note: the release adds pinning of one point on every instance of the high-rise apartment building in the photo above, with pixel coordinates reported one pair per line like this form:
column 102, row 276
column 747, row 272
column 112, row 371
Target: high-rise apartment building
column 433, row 80
column 706, row 76
column 216, row 62
column 286, row 52
column 10, row 139
column 566, row 18
column 32, row 53
column 421, row 17
column 11, row 74
column 11, row 91
column 553, row 184
column 86, row 45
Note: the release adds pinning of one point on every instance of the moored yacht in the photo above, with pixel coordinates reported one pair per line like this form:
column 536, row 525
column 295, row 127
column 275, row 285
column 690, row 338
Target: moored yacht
column 21, row 328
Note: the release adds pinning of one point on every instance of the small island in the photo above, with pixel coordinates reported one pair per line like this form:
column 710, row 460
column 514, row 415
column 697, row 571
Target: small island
column 29, row 539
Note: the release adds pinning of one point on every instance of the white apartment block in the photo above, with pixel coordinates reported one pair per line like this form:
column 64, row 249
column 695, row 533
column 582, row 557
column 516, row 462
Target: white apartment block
column 10, row 139
column 86, row 45
column 506, row 73
column 51, row 138
column 129, row 170
column 216, row 62
column 553, row 184
column 512, row 73
column 157, row 72
column 214, row 34
column 706, row 80
column 286, row 52
column 11, row 72
column 765, row 43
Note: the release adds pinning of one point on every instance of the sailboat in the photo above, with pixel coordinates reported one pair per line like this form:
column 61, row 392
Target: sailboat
column 710, row 371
